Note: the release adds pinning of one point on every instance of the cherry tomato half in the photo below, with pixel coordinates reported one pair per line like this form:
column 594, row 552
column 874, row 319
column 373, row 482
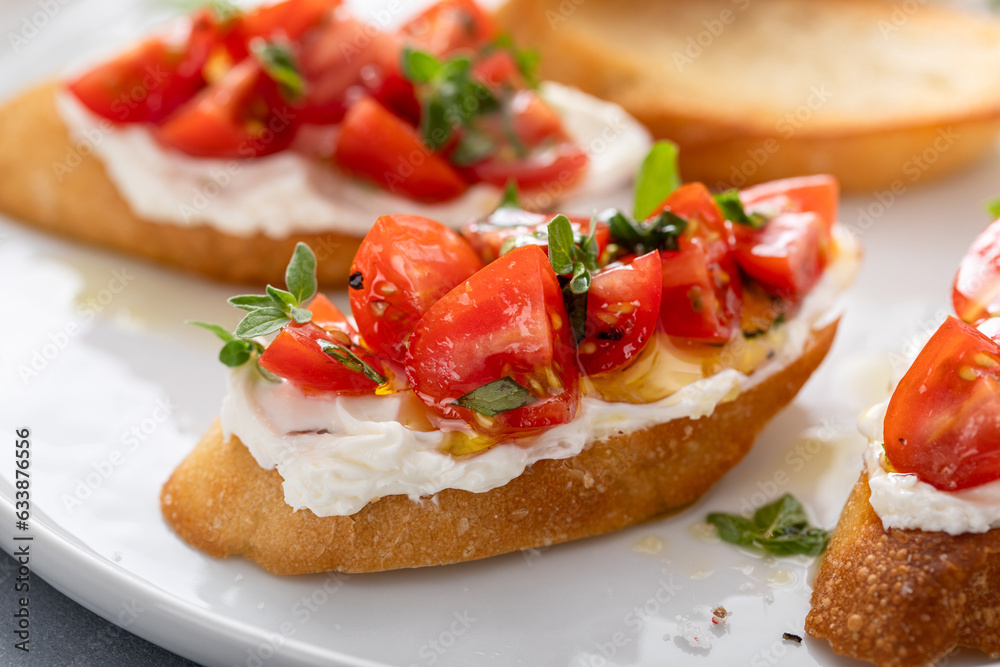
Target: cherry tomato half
column 488, row 235
column 241, row 116
column 623, row 306
column 507, row 320
column 404, row 265
column 450, row 25
column 702, row 293
column 943, row 420
column 976, row 291
column 383, row 148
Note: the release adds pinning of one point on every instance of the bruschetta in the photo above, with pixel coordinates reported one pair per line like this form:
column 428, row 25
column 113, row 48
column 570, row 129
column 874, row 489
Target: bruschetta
column 229, row 136
column 913, row 568
column 591, row 374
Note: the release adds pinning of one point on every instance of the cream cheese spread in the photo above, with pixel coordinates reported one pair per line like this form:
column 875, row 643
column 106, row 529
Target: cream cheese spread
column 288, row 192
column 903, row 501
column 338, row 453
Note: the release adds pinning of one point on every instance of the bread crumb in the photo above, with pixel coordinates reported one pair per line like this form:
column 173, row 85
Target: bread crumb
column 854, row 622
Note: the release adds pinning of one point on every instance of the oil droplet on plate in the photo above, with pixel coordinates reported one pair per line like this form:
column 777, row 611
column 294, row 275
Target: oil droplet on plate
column 704, row 531
column 651, row 545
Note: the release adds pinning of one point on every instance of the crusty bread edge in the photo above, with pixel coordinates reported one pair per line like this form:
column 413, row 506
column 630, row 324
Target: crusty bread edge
column 727, row 149
column 903, row 598
column 53, row 183
column 222, row 502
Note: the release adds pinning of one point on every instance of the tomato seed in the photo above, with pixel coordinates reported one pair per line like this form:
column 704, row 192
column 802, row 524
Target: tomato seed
column 966, row 373
column 378, row 307
column 387, row 289
column 985, row 360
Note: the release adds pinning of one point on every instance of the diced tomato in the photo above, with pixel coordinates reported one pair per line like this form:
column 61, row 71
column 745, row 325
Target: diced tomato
column 702, row 292
column 976, row 290
column 450, row 25
column 327, row 316
column 535, row 122
column 344, row 59
column 290, row 19
column 243, row 115
column 555, row 168
column 943, row 420
column 147, row 83
column 497, row 69
column 379, row 146
column 487, row 236
column 815, row 194
column 623, row 306
column 507, row 320
column 404, row 265
column 786, row 256
column 295, row 355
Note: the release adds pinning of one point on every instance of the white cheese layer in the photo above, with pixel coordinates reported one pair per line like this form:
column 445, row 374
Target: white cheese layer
column 285, row 193
column 338, row 453
column 903, row 501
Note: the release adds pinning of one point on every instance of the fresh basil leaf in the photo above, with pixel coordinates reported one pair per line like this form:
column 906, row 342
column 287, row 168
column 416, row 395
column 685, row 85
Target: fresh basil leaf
column 261, row 322
column 993, row 207
column 658, row 176
column 497, row 397
column 419, row 66
column 660, row 233
column 300, row 276
column 223, row 334
column 435, row 128
column 561, row 242
column 251, row 301
column 732, row 208
column 236, row 352
column 781, row 528
column 511, row 196
column 279, row 64
column 349, row 359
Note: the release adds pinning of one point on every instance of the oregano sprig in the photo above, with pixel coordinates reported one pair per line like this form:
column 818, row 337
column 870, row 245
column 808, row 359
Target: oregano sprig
column 347, row 357
column 278, row 62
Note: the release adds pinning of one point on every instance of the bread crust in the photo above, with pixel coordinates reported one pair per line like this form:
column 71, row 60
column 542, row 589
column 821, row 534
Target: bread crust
column 902, row 598
column 78, row 200
column 730, row 140
column 222, row 502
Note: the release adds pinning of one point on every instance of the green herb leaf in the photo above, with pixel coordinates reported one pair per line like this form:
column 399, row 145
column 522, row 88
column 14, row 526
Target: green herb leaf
column 732, row 208
column 561, row 243
column 349, row 359
column 780, row 528
column 300, row 276
column 473, row 147
column 280, row 298
column 223, row 334
column 224, row 11
column 261, row 322
column 450, row 97
column 660, row 233
column 579, row 283
column 300, row 315
column 511, row 196
column 420, row 66
column 278, row 63
column 993, row 207
column 658, row 176
column 236, row 352
column 497, row 397
column 526, row 59
column 251, row 301
column 576, row 309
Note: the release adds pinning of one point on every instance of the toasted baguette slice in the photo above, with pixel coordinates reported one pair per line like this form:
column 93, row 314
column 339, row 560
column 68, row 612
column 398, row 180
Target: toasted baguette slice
column 904, row 598
column 872, row 92
column 221, row 501
column 84, row 204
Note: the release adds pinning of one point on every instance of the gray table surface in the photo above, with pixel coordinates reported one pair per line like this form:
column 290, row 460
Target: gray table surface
column 64, row 633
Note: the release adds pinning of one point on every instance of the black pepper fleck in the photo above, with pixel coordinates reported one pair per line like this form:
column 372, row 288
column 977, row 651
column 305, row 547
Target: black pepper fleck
column 356, row 281
column 788, row 636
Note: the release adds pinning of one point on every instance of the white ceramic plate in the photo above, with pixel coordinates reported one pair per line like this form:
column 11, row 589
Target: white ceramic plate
column 95, row 361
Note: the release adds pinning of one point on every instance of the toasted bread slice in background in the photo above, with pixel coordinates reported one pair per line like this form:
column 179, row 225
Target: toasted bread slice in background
column 872, row 92
column 903, row 598
column 82, row 203
column 221, row 501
